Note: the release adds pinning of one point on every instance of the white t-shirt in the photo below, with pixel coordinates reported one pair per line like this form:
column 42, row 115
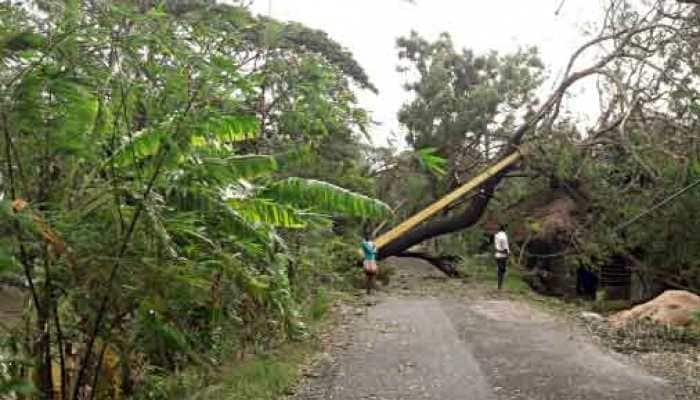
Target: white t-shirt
column 501, row 244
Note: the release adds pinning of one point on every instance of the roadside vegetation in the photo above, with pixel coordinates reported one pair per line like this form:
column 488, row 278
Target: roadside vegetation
column 183, row 185
column 168, row 212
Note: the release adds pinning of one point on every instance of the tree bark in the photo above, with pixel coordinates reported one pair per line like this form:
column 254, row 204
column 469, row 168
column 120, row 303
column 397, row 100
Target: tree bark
column 457, row 222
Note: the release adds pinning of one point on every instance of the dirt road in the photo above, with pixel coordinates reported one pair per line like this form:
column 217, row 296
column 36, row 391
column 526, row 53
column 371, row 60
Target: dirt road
column 437, row 345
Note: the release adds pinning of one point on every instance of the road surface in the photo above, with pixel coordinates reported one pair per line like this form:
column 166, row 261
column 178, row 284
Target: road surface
column 412, row 345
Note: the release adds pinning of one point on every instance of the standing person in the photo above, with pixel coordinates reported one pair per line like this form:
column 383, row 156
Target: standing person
column 502, row 252
column 369, row 249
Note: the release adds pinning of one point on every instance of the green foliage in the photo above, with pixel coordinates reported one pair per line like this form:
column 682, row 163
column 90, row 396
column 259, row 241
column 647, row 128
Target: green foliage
column 320, row 305
column 11, row 385
column 325, row 197
column 431, row 162
column 463, row 107
column 268, row 212
column 293, row 36
column 239, row 167
column 695, row 108
column 260, row 379
column 16, row 386
column 165, row 196
column 22, row 41
column 160, row 339
column 483, row 270
column 7, row 261
column 459, row 94
column 230, row 129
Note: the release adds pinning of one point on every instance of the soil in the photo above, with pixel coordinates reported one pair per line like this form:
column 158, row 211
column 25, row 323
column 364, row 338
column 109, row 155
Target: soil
column 426, row 337
column 673, row 307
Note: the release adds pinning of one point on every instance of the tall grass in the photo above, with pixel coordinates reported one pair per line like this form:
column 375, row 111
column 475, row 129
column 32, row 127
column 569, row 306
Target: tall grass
column 265, row 377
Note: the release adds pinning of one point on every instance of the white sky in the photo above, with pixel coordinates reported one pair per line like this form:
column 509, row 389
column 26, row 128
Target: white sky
column 369, row 28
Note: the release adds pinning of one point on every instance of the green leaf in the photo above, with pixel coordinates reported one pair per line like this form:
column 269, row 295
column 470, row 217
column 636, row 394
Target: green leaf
column 431, row 161
column 268, row 212
column 77, row 109
column 325, row 197
column 257, row 287
column 209, row 202
column 143, row 145
column 231, row 129
column 240, row 167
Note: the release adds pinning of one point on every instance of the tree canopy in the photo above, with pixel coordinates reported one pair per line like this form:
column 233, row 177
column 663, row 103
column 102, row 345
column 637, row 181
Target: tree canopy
column 148, row 190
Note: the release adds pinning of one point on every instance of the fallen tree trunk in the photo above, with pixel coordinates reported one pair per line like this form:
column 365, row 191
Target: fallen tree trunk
column 457, row 222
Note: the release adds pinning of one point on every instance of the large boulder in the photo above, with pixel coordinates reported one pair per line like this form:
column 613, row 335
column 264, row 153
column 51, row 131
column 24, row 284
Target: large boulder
column 673, row 307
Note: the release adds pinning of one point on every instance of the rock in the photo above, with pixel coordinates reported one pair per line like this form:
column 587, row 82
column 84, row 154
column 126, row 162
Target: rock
column 591, row 316
column 673, row 307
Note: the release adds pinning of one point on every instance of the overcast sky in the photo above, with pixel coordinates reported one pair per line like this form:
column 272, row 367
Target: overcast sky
column 369, row 28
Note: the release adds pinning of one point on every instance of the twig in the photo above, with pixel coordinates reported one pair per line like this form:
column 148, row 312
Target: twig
column 561, row 6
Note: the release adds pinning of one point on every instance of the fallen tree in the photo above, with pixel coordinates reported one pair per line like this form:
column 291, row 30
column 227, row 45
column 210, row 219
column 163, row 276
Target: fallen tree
column 625, row 67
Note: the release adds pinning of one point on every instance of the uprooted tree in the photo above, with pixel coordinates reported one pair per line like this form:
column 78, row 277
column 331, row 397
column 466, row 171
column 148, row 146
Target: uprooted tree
column 643, row 64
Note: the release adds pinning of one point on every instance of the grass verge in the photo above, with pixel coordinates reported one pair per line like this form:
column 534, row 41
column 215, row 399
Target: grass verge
column 266, row 377
column 272, row 375
column 483, row 271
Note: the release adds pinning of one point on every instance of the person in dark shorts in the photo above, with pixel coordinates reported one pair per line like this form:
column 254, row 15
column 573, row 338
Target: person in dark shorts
column 502, row 253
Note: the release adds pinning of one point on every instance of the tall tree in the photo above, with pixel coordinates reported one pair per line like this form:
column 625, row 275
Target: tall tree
column 463, row 106
column 133, row 173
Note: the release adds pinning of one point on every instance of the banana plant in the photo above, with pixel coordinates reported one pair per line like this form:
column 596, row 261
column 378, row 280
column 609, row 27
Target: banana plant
column 131, row 176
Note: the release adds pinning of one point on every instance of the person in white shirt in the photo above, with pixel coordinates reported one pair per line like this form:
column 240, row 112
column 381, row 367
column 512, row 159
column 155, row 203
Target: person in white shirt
column 502, row 252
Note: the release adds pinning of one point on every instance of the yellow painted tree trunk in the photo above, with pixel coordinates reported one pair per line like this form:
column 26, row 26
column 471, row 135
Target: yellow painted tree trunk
column 448, row 199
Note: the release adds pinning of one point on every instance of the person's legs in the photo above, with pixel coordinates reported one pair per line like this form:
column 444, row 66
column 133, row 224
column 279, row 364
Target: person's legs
column 501, row 263
column 371, row 277
column 371, row 273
